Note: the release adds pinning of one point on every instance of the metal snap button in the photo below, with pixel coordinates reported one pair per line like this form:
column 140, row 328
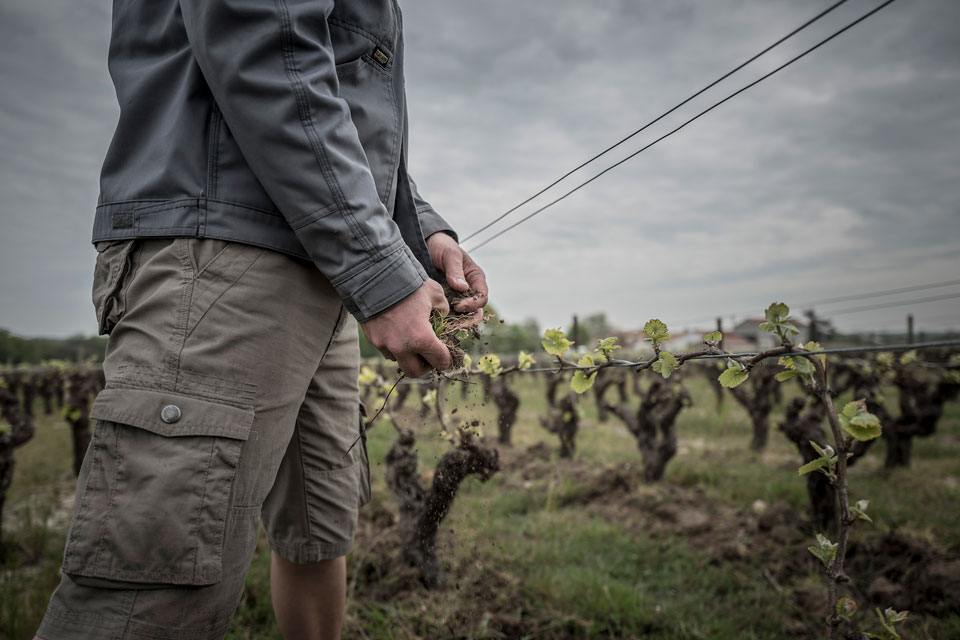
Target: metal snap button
column 170, row 413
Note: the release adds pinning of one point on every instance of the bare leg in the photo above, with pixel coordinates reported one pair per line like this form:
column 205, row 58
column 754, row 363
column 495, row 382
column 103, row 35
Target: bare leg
column 309, row 599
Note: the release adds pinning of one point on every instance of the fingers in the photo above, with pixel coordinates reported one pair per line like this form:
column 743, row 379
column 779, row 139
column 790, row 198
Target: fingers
column 412, row 365
column 438, row 300
column 453, row 268
column 477, row 282
column 418, row 358
column 436, row 353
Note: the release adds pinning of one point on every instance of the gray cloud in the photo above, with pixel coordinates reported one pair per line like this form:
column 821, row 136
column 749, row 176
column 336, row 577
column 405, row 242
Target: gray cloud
column 835, row 176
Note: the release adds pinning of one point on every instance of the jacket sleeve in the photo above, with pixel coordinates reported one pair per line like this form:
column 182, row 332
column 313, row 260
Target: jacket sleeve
column 271, row 69
column 430, row 220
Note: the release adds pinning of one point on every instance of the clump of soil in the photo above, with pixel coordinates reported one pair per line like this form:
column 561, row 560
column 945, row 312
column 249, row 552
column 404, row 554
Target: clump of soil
column 906, row 572
column 456, row 326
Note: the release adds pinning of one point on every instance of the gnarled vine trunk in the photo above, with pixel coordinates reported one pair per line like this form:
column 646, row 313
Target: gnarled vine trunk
column 80, row 389
column 18, row 430
column 562, row 419
column 508, row 403
column 653, row 424
column 422, row 510
column 758, row 395
column 802, row 424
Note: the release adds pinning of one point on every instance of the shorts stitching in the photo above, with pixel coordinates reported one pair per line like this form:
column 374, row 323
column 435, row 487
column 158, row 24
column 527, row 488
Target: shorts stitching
column 303, row 475
column 321, row 474
column 75, row 617
column 224, row 399
column 199, row 513
column 231, row 384
column 97, row 453
column 183, row 313
column 196, row 324
column 310, row 551
column 213, row 428
column 226, row 494
column 129, row 613
column 110, row 504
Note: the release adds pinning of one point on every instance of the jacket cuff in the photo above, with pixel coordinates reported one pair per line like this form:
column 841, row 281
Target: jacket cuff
column 431, row 222
column 381, row 284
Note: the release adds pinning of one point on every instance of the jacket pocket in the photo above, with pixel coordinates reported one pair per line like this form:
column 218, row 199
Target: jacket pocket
column 153, row 504
column 113, row 269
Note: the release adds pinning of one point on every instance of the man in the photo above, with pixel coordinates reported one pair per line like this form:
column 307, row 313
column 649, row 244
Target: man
column 255, row 204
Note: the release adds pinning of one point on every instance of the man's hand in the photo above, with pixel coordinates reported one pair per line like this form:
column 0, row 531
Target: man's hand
column 461, row 271
column 403, row 332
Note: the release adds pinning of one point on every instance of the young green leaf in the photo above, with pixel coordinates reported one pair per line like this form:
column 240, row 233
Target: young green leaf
column 860, row 510
column 665, row 364
column 734, row 375
column 525, row 361
column 656, row 331
column 825, row 551
column 713, row 337
column 490, row 365
column 467, row 361
column 555, row 342
column 777, row 317
column 581, row 381
column 814, row 465
column 858, row 422
column 888, row 621
column 607, row 346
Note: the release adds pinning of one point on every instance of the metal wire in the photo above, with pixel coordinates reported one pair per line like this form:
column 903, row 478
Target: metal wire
column 673, row 131
column 920, row 346
column 656, row 120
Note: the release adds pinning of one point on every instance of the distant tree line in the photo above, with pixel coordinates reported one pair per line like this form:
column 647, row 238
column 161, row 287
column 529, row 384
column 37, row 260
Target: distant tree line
column 15, row 350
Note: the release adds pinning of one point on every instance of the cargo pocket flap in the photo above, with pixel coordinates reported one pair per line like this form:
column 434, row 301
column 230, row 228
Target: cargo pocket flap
column 171, row 414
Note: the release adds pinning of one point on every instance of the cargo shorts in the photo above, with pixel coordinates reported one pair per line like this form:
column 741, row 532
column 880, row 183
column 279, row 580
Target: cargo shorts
column 231, row 395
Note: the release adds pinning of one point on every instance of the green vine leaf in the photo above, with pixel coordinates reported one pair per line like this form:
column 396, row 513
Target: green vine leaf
column 714, row 337
column 656, row 331
column 814, row 465
column 581, row 381
column 909, row 356
column 607, row 346
column 888, row 621
column 666, row 364
column 860, row 510
column 734, row 375
column 467, row 361
column 430, row 398
column 825, row 551
column 777, row 317
column 555, row 342
column 525, row 361
column 490, row 365
column 858, row 422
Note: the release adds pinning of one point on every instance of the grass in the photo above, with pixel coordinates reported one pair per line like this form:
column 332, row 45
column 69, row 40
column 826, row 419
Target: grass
column 527, row 556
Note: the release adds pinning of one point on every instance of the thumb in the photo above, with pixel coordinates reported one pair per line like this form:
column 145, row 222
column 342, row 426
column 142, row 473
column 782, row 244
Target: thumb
column 453, row 269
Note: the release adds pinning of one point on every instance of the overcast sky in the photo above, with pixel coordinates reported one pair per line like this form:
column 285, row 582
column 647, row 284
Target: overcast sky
column 840, row 174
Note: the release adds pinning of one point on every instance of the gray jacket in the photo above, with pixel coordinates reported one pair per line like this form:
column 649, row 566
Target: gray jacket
column 278, row 123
